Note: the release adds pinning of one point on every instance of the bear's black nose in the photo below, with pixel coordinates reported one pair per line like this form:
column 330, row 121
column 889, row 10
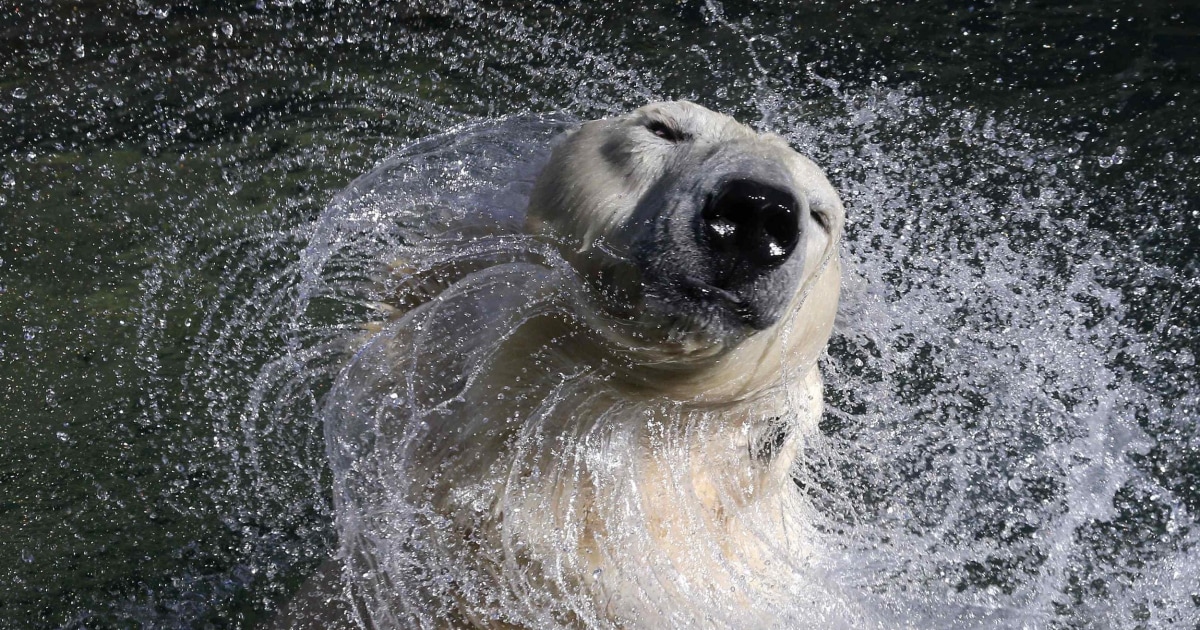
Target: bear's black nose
column 751, row 222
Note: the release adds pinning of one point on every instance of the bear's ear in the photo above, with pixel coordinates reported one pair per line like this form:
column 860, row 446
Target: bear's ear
column 565, row 135
column 560, row 139
column 771, row 136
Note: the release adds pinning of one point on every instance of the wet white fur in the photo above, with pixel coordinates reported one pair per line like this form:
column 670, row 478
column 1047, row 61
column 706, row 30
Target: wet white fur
column 636, row 499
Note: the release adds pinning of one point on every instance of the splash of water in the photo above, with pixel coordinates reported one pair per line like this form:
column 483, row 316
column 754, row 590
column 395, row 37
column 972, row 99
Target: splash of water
column 982, row 439
column 983, row 458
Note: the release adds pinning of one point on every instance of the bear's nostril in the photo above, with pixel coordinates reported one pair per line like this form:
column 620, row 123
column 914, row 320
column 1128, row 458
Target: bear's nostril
column 752, row 221
column 781, row 229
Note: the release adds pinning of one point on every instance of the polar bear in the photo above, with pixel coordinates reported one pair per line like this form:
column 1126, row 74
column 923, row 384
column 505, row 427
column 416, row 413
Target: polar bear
column 592, row 421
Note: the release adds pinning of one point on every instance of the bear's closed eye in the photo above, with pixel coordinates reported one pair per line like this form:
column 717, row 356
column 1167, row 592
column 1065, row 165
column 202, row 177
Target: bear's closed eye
column 665, row 131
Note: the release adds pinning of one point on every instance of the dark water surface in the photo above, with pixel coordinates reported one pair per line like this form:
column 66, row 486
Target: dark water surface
column 1021, row 181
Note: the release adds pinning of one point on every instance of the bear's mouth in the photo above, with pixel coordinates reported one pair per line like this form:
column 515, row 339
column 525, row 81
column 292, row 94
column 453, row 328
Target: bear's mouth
column 702, row 289
column 724, row 298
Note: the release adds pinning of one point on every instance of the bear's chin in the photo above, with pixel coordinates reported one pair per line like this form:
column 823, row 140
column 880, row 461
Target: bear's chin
column 675, row 340
column 671, row 318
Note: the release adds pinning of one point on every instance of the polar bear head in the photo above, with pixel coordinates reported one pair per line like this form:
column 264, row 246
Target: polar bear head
column 697, row 232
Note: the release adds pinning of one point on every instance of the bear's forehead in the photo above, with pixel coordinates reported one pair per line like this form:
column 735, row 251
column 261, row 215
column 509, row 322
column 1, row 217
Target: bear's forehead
column 692, row 118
